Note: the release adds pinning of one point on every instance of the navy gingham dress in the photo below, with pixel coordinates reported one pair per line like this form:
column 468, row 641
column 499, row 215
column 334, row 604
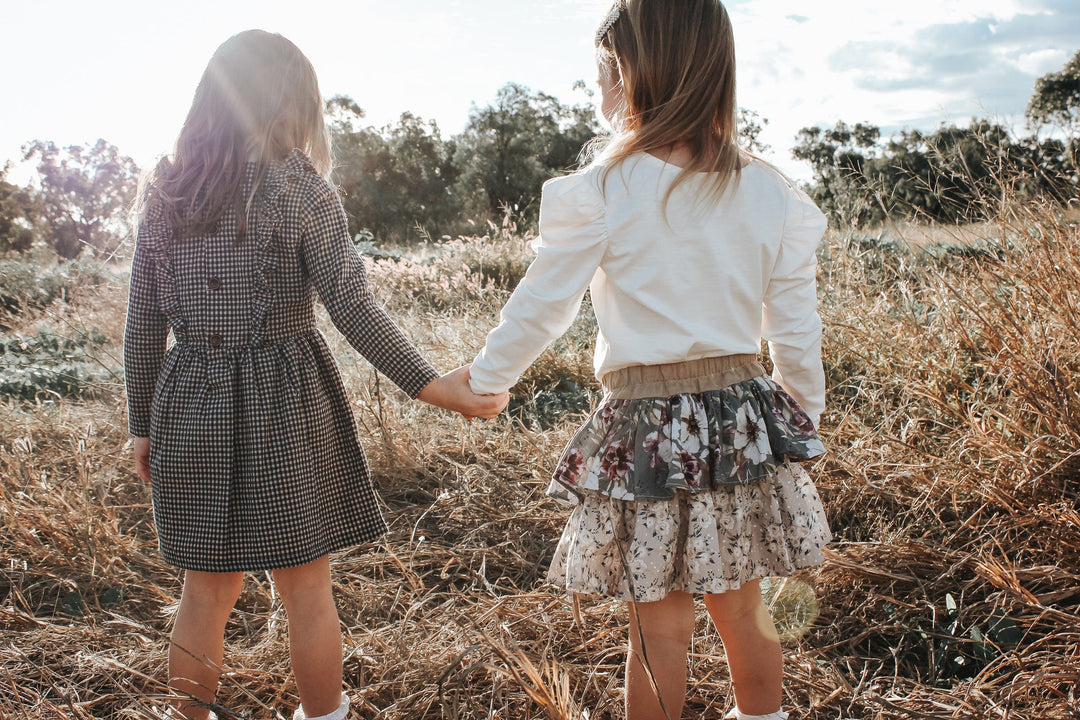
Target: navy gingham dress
column 254, row 456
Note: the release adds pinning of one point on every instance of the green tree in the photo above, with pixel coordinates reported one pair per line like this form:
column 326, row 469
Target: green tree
column 1056, row 102
column 86, row 194
column 19, row 213
column 343, row 116
column 405, row 181
column 837, row 156
column 509, row 148
column 949, row 175
column 954, row 174
column 750, row 125
column 423, row 164
column 396, row 181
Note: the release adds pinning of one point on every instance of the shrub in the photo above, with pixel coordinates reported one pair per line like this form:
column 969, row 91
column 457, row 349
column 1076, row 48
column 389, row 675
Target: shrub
column 24, row 285
column 49, row 365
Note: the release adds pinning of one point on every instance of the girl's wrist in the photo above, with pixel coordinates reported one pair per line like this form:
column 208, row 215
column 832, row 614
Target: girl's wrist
column 433, row 393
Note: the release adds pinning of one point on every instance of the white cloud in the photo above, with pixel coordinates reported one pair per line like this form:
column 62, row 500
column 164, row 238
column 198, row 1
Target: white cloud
column 1040, row 62
column 914, row 64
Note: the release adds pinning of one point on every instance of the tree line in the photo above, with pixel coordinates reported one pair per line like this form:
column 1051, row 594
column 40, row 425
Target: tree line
column 954, row 174
column 400, row 184
column 406, row 183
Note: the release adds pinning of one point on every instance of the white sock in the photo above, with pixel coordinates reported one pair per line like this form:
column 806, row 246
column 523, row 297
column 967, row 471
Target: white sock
column 737, row 714
column 340, row 714
column 168, row 715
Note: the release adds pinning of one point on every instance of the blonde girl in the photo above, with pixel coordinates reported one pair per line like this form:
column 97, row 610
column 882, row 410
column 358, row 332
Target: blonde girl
column 686, row 480
column 243, row 427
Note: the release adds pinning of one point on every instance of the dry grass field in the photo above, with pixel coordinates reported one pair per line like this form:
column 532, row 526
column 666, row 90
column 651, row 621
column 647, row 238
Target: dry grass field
column 952, row 590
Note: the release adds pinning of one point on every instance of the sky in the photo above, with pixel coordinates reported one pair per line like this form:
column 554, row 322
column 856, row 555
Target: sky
column 74, row 71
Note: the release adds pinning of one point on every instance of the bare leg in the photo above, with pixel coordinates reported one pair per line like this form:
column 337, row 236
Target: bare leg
column 314, row 634
column 752, row 646
column 666, row 627
column 198, row 637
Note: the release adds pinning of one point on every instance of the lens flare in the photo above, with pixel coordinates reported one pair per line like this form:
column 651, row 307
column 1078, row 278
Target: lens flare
column 792, row 604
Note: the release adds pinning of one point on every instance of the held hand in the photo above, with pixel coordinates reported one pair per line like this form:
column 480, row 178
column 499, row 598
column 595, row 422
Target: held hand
column 452, row 392
column 141, row 451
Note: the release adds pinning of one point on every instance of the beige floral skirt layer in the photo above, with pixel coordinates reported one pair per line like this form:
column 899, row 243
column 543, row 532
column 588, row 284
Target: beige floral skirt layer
column 708, row 542
column 686, row 477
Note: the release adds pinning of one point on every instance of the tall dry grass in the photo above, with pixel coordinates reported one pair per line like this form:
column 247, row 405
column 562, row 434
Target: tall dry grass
column 953, row 406
column 952, row 590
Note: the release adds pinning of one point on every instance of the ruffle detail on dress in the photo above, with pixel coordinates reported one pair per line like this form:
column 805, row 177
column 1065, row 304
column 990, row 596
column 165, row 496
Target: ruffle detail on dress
column 647, row 448
column 267, row 253
column 157, row 241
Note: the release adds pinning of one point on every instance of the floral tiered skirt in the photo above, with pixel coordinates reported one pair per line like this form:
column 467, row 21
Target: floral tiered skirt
column 687, row 477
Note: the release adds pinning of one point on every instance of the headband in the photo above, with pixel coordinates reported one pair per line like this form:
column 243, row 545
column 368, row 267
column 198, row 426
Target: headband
column 610, row 21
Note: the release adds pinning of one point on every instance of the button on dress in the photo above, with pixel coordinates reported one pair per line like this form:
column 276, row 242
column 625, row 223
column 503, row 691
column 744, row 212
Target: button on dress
column 254, row 456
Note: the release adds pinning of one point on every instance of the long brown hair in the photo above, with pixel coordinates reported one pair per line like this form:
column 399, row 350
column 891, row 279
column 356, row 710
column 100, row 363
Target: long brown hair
column 258, row 99
column 676, row 63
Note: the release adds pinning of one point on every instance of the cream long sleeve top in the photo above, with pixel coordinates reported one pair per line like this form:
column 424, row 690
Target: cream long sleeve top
column 701, row 280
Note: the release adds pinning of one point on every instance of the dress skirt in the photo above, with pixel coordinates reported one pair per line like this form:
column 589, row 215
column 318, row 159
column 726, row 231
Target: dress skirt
column 255, row 458
column 687, row 477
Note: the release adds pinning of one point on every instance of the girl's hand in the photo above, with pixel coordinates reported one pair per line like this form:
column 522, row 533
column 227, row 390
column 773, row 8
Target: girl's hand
column 452, row 392
column 141, row 450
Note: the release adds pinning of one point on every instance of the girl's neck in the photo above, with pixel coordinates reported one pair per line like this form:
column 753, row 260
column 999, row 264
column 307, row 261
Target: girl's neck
column 681, row 156
column 676, row 154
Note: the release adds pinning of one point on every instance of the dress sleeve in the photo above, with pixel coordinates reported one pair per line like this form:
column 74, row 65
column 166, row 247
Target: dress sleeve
column 791, row 322
column 145, row 334
column 573, row 238
column 338, row 274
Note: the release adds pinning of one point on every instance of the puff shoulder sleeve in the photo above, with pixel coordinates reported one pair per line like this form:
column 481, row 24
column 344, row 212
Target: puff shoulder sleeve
column 572, row 240
column 791, row 323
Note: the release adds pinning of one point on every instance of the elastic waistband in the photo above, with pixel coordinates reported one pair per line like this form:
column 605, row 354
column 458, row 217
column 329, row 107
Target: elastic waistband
column 692, row 376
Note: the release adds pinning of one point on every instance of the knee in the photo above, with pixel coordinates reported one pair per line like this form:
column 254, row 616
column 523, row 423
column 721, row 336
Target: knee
column 668, row 623
column 215, row 592
column 304, row 583
column 736, row 610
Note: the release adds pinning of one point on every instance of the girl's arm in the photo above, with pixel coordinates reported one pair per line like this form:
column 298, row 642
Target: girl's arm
column 337, row 271
column 791, row 322
column 145, row 335
column 572, row 241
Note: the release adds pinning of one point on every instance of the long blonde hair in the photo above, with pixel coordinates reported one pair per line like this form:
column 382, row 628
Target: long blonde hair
column 675, row 60
column 258, row 99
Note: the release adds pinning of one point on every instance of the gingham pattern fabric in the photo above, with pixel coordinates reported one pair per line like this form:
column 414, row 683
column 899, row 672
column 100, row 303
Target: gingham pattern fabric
column 253, row 449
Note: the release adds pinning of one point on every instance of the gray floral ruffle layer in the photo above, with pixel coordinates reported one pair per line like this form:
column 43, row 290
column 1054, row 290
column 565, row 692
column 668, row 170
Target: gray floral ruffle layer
column 647, row 448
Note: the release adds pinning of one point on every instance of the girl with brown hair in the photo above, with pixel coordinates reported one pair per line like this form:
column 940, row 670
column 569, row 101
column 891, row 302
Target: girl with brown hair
column 686, row 479
column 243, row 427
